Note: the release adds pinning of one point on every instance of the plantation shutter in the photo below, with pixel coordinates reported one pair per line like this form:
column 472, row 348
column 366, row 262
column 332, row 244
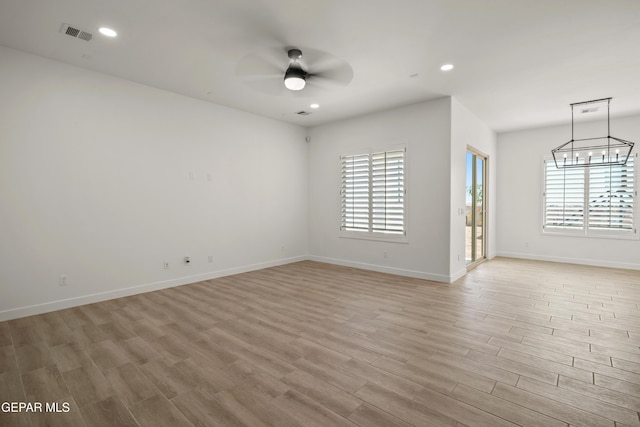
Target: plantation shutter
column 355, row 192
column 387, row 183
column 611, row 197
column 372, row 193
column 564, row 197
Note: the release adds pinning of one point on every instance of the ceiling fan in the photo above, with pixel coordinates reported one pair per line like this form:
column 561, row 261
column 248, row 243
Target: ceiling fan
column 303, row 74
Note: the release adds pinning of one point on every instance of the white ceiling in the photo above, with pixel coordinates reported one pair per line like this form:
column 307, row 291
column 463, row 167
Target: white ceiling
column 518, row 63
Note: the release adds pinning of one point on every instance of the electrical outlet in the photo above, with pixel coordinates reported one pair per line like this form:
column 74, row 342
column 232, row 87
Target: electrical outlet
column 165, row 265
column 63, row 280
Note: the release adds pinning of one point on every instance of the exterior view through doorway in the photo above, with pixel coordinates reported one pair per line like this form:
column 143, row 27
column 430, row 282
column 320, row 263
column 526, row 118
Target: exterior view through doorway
column 476, row 208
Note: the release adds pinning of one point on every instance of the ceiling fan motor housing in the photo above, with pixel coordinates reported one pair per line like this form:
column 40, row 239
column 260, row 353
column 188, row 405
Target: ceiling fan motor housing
column 294, row 54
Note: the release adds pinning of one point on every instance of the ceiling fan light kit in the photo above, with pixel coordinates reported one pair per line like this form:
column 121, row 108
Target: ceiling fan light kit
column 595, row 151
column 295, row 77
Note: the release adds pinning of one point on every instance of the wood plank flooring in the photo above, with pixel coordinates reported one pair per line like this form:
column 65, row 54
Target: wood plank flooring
column 308, row 344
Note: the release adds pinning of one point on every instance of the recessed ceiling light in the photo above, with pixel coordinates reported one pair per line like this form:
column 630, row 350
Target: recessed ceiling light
column 447, row 67
column 106, row 31
column 314, row 105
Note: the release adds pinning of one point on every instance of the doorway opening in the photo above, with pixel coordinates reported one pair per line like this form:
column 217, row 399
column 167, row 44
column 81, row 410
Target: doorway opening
column 476, row 208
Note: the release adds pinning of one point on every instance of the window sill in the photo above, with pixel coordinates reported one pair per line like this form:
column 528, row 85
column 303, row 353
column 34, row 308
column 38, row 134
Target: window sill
column 381, row 237
column 622, row 235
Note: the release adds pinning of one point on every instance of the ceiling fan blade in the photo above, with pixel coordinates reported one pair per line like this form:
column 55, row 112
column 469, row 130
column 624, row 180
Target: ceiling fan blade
column 322, row 61
column 321, row 64
column 340, row 75
column 272, row 85
column 267, row 62
column 323, row 83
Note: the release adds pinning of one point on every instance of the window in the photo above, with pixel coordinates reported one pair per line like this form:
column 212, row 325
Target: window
column 596, row 201
column 372, row 194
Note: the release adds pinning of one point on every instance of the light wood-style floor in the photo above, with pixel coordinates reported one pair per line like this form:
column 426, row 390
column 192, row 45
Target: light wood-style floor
column 513, row 343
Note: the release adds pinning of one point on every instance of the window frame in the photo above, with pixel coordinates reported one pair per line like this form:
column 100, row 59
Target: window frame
column 586, row 230
column 370, row 233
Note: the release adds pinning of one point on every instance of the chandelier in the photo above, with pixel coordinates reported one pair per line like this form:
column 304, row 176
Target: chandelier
column 590, row 152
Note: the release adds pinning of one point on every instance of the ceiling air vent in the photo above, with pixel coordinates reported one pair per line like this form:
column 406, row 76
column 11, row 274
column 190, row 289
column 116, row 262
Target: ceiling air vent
column 303, row 113
column 76, row 33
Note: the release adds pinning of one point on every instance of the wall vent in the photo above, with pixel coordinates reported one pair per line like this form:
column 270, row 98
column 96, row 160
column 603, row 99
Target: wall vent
column 589, row 110
column 76, row 32
column 303, row 113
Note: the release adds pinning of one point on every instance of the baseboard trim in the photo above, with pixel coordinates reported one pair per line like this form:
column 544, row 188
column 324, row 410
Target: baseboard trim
column 47, row 307
column 15, row 313
column 384, row 269
column 458, row 275
column 568, row 260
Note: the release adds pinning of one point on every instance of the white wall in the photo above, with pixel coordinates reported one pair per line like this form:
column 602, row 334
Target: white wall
column 426, row 131
column 103, row 180
column 519, row 197
column 468, row 131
